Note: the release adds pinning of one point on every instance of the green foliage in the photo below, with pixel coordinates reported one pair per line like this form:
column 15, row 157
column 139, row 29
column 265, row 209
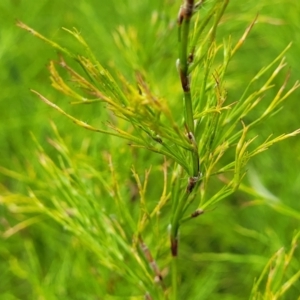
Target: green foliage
column 277, row 268
column 95, row 209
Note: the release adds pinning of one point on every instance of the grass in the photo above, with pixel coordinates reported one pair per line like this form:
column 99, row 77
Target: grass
column 182, row 206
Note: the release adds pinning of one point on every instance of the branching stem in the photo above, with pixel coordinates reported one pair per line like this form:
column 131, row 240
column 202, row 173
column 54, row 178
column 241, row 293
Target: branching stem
column 183, row 62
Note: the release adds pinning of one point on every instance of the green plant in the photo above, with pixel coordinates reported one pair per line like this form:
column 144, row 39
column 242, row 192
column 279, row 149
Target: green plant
column 207, row 146
column 276, row 283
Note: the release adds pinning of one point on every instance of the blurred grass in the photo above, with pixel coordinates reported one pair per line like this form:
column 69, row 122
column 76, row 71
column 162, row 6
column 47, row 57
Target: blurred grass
column 225, row 249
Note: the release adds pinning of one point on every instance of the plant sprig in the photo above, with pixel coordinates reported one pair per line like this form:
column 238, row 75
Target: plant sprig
column 206, row 150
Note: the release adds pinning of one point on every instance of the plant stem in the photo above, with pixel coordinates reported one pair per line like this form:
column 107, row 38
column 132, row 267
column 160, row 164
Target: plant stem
column 185, row 58
column 175, row 222
column 184, row 19
column 174, row 278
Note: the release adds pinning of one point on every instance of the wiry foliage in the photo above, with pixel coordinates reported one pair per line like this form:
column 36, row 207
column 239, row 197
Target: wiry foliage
column 206, row 150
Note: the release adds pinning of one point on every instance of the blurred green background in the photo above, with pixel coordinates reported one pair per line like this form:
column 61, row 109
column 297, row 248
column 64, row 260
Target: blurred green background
column 233, row 228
